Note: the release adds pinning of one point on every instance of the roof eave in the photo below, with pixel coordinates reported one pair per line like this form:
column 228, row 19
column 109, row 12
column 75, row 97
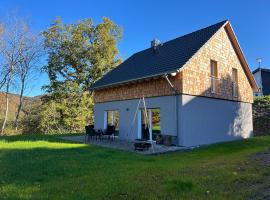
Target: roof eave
column 132, row 80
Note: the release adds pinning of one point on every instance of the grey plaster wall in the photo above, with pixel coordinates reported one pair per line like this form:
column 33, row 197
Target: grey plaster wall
column 127, row 110
column 208, row 120
column 201, row 120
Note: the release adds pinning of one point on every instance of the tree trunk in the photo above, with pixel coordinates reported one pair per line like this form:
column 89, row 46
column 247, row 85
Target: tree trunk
column 6, row 114
column 19, row 107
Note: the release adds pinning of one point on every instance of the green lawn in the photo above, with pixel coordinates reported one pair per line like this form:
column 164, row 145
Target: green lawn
column 44, row 167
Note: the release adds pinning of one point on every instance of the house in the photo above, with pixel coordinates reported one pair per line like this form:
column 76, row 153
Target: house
column 262, row 77
column 198, row 89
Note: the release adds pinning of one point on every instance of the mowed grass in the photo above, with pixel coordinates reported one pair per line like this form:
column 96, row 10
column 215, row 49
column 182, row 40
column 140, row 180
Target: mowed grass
column 44, row 167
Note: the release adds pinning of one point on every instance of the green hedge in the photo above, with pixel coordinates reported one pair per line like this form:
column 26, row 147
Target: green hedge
column 261, row 115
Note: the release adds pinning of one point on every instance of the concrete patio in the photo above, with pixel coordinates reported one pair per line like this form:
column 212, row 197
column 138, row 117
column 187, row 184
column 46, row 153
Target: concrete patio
column 125, row 145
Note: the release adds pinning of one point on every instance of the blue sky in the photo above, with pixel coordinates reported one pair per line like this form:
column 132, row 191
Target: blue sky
column 144, row 20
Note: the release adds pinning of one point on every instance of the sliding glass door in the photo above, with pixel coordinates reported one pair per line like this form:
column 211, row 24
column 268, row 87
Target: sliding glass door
column 149, row 124
column 155, row 123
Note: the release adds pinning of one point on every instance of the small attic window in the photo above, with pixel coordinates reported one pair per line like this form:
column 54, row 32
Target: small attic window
column 235, row 82
column 214, row 76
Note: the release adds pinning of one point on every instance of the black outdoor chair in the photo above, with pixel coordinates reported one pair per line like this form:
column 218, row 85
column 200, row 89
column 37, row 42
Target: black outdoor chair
column 90, row 132
column 110, row 131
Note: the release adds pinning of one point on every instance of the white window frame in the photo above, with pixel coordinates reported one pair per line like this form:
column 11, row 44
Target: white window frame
column 214, row 77
column 150, row 124
column 235, row 82
column 105, row 119
column 139, row 125
column 105, row 123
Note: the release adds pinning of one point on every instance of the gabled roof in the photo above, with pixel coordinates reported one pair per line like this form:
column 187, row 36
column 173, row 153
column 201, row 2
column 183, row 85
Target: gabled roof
column 169, row 57
column 265, row 79
column 262, row 69
column 266, row 82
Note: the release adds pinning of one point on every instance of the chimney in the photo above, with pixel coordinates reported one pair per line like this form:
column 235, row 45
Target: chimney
column 154, row 44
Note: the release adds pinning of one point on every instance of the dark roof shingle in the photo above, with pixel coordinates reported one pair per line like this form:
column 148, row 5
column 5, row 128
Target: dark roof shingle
column 169, row 57
column 265, row 76
column 266, row 82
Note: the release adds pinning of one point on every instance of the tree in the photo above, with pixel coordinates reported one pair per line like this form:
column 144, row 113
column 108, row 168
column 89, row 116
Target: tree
column 3, row 68
column 20, row 52
column 66, row 114
column 28, row 65
column 30, row 121
column 78, row 55
column 80, row 52
column 11, row 45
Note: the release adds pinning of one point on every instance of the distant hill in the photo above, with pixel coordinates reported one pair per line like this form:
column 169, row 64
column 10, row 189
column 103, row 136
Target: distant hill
column 14, row 100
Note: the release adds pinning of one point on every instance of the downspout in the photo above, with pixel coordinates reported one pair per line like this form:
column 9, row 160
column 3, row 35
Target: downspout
column 175, row 92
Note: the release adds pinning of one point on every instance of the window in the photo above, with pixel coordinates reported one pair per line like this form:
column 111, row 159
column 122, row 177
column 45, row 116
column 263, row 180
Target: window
column 214, row 76
column 111, row 118
column 234, row 82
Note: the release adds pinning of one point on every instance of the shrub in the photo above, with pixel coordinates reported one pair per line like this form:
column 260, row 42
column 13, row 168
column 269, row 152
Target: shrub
column 261, row 115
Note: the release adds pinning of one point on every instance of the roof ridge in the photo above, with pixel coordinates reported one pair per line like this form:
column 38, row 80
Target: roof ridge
column 185, row 35
column 222, row 22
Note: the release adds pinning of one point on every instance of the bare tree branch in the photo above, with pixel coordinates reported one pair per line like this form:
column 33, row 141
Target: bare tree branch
column 20, row 51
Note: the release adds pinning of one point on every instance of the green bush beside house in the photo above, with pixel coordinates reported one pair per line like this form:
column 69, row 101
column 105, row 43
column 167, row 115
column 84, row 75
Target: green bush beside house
column 261, row 115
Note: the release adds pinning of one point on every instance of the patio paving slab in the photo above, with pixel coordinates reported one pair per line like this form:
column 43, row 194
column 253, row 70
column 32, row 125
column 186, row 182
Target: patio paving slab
column 125, row 145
